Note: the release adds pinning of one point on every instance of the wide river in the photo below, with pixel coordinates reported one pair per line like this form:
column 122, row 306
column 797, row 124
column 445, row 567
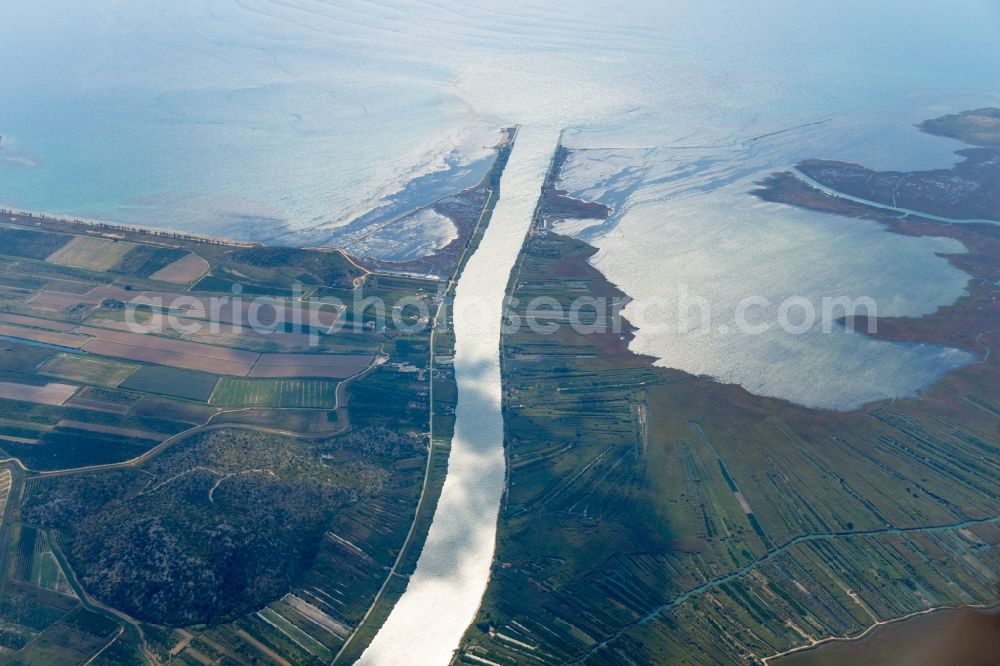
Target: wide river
column 444, row 592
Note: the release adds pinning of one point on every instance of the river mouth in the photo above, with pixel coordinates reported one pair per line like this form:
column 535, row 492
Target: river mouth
column 444, row 592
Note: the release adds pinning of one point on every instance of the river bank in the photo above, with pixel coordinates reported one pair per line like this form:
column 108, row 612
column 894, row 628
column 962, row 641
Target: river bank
column 445, row 590
column 647, row 507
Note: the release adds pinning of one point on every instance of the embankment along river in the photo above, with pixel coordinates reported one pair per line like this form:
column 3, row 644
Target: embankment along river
column 427, row 623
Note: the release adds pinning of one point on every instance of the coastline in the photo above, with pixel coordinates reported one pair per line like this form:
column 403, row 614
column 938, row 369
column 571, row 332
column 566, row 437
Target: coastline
column 616, row 347
column 371, row 205
column 101, row 227
column 959, row 324
column 855, row 646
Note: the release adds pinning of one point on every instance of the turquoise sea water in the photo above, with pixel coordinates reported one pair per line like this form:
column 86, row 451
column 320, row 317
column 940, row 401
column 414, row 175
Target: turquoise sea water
column 263, row 118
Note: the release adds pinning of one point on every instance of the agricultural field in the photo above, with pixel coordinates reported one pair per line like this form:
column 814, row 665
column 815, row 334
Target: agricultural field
column 68, row 447
column 68, row 340
column 96, row 254
column 37, row 427
column 334, row 366
column 229, row 310
column 185, row 270
column 73, row 639
column 113, row 416
column 52, row 393
column 34, row 322
column 26, row 611
column 145, row 260
column 51, row 301
column 30, row 243
column 20, row 361
column 5, row 483
column 313, row 266
column 657, row 517
column 226, row 544
column 37, row 564
column 186, row 384
column 168, row 351
column 104, row 400
column 301, row 393
column 85, row 369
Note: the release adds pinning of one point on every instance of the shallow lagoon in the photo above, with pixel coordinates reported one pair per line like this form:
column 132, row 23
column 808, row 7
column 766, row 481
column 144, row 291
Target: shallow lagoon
column 686, row 227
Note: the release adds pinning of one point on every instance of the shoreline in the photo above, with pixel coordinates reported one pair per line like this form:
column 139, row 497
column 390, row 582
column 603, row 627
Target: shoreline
column 661, row 408
column 958, row 324
column 872, row 632
column 505, row 136
column 766, row 191
column 102, row 226
column 885, row 208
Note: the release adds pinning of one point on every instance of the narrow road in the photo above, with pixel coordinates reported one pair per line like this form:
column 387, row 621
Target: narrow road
column 205, row 427
column 826, row 189
column 770, row 555
column 868, row 630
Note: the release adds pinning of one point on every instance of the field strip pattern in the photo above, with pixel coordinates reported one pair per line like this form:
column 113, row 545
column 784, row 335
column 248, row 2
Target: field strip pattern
column 774, row 553
column 224, row 309
column 290, row 393
column 5, row 484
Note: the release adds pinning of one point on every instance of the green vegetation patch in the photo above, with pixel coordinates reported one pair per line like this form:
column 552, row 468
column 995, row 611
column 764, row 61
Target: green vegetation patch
column 187, row 384
column 21, row 358
column 66, row 448
column 329, row 268
column 144, row 260
column 72, row 640
column 46, row 572
column 980, row 127
column 302, row 393
column 25, row 611
column 389, row 398
column 22, row 282
column 29, row 243
column 87, row 369
column 210, row 529
column 255, row 280
column 221, row 280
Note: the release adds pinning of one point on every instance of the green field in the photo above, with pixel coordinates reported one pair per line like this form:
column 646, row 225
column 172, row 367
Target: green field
column 87, row 369
column 73, row 639
column 30, row 243
column 656, row 517
column 283, row 543
column 45, row 570
column 303, row 393
column 144, row 260
column 980, row 127
column 64, row 448
column 171, row 381
column 97, row 254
